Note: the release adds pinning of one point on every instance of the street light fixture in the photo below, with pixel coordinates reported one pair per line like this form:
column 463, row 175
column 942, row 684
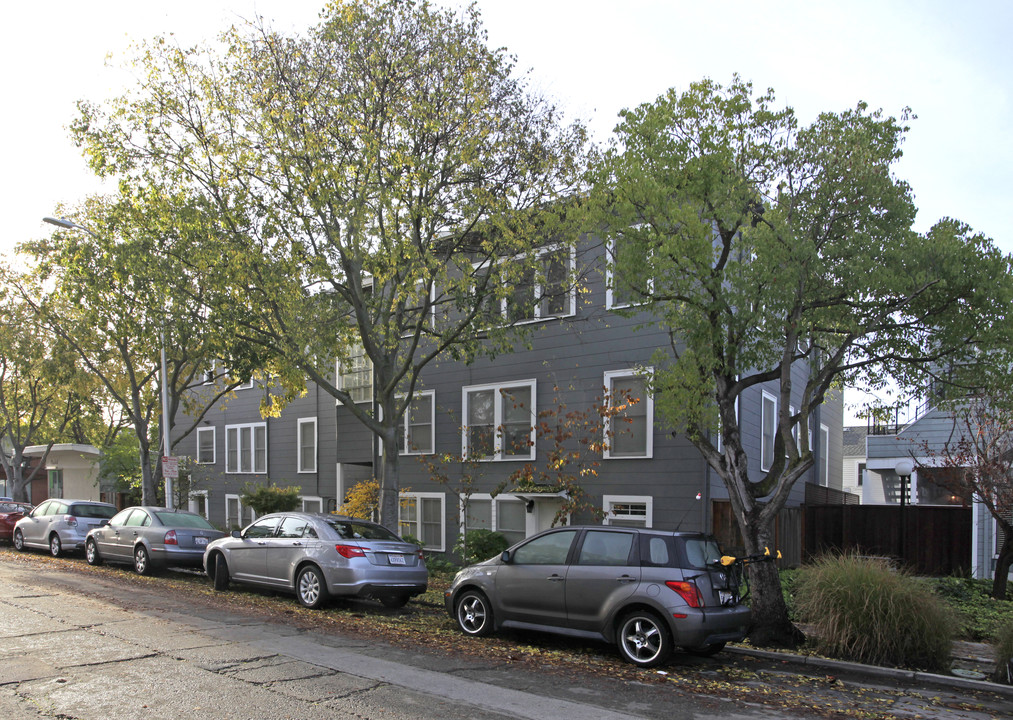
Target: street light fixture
column 71, row 225
column 903, row 468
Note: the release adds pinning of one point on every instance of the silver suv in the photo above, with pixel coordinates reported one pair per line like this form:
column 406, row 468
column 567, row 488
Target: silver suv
column 60, row 525
column 648, row 591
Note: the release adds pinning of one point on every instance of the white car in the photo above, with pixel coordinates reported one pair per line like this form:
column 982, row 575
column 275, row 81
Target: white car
column 60, row 525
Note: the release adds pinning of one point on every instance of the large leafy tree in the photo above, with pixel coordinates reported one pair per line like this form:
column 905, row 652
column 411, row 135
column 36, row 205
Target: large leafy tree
column 369, row 179
column 782, row 257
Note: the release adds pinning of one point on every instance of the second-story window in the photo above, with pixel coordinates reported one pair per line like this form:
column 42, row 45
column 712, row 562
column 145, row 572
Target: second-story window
column 768, row 427
column 205, row 446
column 307, row 445
column 355, row 375
column 246, row 448
column 415, row 432
column 629, row 430
column 500, row 421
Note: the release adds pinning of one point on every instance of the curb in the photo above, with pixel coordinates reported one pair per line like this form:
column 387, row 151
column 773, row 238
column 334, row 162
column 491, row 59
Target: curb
column 877, row 671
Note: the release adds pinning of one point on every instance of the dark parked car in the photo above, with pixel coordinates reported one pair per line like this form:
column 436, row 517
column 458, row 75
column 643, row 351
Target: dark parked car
column 60, row 525
column 151, row 538
column 648, row 591
column 317, row 556
column 10, row 513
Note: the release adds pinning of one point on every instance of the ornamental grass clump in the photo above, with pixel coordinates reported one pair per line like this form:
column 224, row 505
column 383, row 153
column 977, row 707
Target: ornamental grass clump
column 1003, row 648
column 864, row 610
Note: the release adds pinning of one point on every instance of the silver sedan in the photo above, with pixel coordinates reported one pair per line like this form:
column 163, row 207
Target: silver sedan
column 317, row 556
column 151, row 537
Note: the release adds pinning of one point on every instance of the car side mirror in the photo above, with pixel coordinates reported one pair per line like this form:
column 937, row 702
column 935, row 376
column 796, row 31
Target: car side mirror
column 104, row 523
column 237, row 534
column 505, row 557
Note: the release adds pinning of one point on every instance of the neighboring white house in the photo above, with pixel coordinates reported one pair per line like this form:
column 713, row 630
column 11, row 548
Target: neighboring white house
column 71, row 471
column 853, row 469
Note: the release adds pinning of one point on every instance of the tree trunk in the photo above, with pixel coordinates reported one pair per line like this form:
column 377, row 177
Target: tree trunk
column 1002, row 566
column 389, row 480
column 771, row 625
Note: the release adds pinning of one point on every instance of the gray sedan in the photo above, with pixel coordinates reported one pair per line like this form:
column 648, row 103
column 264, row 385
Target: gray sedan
column 317, row 556
column 150, row 538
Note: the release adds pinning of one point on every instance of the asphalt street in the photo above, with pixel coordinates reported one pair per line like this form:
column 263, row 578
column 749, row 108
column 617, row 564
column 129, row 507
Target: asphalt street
column 69, row 652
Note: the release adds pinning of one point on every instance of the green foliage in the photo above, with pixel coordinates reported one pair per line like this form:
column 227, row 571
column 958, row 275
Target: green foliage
column 437, row 563
column 863, row 610
column 481, row 544
column 1004, row 653
column 978, row 614
column 270, row 498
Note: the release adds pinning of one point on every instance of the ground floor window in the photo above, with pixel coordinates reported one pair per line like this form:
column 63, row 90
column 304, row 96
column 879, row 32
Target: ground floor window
column 421, row 515
column 237, row 515
column 312, row 504
column 198, row 503
column 628, row 510
column 505, row 515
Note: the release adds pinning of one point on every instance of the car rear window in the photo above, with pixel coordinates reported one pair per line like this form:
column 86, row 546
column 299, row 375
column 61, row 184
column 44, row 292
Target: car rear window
column 183, row 520
column 92, row 511
column 702, row 552
column 351, row 530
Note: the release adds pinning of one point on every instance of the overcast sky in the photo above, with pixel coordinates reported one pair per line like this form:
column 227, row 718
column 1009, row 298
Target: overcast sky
column 949, row 61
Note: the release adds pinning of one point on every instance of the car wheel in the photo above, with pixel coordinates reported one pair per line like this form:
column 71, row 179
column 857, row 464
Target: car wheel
column 91, row 553
column 706, row 650
column 19, row 541
column 310, row 587
column 55, row 546
column 394, row 600
column 474, row 614
column 643, row 640
column 221, row 577
column 142, row 561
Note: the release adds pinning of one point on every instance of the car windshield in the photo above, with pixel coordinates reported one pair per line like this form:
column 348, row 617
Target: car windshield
column 183, row 520
column 93, row 511
column 352, row 530
column 702, row 552
column 14, row 507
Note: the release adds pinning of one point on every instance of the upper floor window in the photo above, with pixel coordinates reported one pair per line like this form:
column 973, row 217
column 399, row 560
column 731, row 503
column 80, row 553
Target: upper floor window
column 246, row 448
column 205, row 446
column 768, row 428
column 623, row 289
column 500, row 421
column 824, row 455
column 307, row 438
column 539, row 291
column 355, row 375
column 416, row 430
column 629, row 427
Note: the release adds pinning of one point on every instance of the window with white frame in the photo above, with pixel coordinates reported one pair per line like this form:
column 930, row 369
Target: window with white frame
column 206, row 446
column 246, row 448
column 421, row 515
column 312, row 503
column 768, row 427
column 824, row 455
column 355, row 375
column 628, row 510
column 505, row 515
column 416, row 431
column 541, row 291
column 307, row 439
column 499, row 421
column 198, row 503
column 623, row 291
column 629, row 426
column 237, row 515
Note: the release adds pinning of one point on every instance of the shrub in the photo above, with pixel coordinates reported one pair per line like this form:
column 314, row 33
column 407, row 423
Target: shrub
column 270, row 498
column 863, row 610
column 478, row 545
column 1003, row 648
column 980, row 615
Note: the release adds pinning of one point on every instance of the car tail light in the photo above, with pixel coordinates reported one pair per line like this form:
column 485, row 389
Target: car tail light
column 350, row 551
column 170, row 538
column 70, row 520
column 688, row 591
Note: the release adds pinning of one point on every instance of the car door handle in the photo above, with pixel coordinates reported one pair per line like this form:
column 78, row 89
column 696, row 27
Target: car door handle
column 297, row 544
column 555, row 578
column 262, row 542
column 626, row 578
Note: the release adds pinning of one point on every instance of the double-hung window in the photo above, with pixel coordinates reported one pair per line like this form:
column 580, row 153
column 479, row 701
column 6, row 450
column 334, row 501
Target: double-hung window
column 768, row 427
column 499, row 421
column 538, row 291
column 624, row 285
column 824, row 455
column 355, row 375
column 206, row 446
column 629, row 425
column 246, row 448
column 421, row 515
column 506, row 515
column 307, row 439
column 415, row 432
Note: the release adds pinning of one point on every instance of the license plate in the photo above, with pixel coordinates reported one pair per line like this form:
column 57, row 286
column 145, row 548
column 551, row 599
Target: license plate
column 396, row 559
column 200, row 541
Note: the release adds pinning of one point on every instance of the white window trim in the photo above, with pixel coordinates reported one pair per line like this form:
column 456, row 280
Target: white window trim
column 766, row 463
column 192, row 504
column 214, row 445
column 240, row 506
column 253, row 450
column 313, row 499
column 418, row 517
column 339, row 381
column 403, row 441
column 611, row 375
column 299, row 447
column 610, row 261
column 608, row 501
column 824, row 456
column 497, row 455
column 571, row 292
column 494, row 508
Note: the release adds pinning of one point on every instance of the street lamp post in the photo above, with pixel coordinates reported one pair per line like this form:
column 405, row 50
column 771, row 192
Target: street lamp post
column 71, row 225
column 903, row 468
